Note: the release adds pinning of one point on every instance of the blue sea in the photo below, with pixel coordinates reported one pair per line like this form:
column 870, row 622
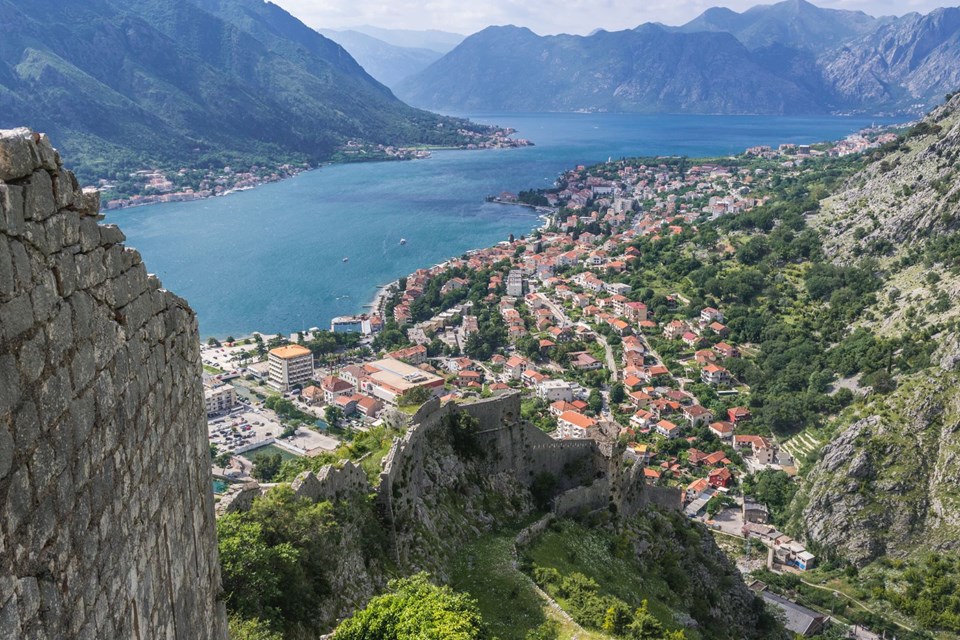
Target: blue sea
column 272, row 259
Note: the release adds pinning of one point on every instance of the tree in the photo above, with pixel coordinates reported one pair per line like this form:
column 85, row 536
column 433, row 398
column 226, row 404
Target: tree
column 332, row 415
column 213, row 342
column 415, row 396
column 595, row 400
column 644, row 626
column 251, row 629
column 265, row 466
column 414, row 609
column 617, row 393
column 231, row 339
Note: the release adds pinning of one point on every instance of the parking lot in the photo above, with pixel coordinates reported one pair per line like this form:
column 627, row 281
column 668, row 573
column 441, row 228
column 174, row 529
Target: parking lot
column 249, row 426
column 729, row 521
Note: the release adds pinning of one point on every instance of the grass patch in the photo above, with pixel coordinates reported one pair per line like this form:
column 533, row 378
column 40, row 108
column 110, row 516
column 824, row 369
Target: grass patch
column 507, row 598
column 570, row 547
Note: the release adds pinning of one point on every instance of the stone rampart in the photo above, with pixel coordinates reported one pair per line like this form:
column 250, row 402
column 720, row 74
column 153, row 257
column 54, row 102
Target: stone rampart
column 107, row 528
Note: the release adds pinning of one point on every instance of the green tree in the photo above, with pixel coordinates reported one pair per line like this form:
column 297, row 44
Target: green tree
column 595, row 400
column 644, row 626
column 415, row 609
column 251, row 629
column 617, row 393
column 332, row 415
column 265, row 466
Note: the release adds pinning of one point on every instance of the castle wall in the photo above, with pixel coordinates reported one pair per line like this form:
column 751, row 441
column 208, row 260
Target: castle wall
column 107, row 527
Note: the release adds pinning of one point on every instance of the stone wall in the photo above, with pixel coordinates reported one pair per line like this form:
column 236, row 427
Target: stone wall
column 107, row 526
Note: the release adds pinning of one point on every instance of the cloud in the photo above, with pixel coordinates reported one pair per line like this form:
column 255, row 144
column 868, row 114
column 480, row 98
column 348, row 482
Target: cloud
column 542, row 16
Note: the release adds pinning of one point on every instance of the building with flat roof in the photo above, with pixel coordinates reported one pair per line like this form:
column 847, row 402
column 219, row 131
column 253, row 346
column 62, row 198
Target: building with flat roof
column 289, row 366
column 221, row 397
column 515, row 283
column 388, row 379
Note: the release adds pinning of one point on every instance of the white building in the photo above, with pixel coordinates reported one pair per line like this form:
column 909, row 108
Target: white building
column 554, row 390
column 221, row 397
column 515, row 283
column 289, row 366
column 571, row 424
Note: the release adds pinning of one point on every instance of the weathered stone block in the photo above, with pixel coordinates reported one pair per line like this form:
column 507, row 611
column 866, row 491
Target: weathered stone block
column 7, row 278
column 111, row 234
column 6, row 451
column 16, row 316
column 89, row 234
column 65, row 189
column 44, row 297
column 39, row 203
column 18, row 154
column 89, row 203
column 65, row 271
column 33, row 357
column 11, row 209
column 102, row 439
column 49, row 158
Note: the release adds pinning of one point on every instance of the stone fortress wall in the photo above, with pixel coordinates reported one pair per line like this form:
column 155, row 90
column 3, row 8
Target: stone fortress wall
column 588, row 478
column 107, row 527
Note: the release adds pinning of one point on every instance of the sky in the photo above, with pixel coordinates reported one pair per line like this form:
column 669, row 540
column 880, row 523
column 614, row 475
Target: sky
column 542, row 16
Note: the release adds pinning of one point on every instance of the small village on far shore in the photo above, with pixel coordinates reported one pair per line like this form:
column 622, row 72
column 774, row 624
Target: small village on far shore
column 564, row 317
column 158, row 186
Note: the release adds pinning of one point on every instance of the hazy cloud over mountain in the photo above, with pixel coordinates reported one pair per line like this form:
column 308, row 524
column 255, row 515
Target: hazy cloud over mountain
column 543, row 16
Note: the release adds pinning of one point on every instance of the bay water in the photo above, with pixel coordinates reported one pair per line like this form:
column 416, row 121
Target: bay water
column 291, row 255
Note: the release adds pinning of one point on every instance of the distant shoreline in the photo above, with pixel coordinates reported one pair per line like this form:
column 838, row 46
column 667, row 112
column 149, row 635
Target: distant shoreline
column 296, row 171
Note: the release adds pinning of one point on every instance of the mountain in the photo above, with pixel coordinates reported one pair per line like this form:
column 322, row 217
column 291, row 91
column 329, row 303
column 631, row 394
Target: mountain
column 787, row 58
column 386, row 62
column 912, row 60
column 650, row 69
column 886, row 483
column 134, row 83
column 432, row 39
column 792, row 23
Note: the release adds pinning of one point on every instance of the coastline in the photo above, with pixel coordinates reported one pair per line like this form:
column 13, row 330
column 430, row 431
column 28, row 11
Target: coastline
column 292, row 172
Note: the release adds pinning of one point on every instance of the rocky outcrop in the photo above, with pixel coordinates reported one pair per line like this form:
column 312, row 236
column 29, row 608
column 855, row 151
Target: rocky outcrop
column 107, row 525
column 887, row 483
column 901, row 199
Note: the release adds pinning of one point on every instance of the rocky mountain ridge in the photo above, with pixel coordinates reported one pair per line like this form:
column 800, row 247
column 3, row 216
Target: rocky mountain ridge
column 885, row 485
column 788, row 58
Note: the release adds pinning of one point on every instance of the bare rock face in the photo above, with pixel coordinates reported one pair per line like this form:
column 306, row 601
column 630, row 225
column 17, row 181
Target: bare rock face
column 886, row 483
column 904, row 199
column 107, row 526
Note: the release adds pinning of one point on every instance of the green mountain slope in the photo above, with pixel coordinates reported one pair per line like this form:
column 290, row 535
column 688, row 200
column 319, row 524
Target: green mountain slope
column 192, row 82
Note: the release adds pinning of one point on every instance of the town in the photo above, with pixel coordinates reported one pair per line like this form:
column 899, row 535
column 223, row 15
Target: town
column 565, row 317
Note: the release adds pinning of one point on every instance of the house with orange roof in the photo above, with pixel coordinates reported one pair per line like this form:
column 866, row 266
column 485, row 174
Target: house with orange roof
column 722, row 429
column 720, row 477
column 697, row 415
column 738, row 415
column 572, row 424
column 334, row 387
column 675, row 329
column 726, row 350
column 667, row 429
column 715, row 375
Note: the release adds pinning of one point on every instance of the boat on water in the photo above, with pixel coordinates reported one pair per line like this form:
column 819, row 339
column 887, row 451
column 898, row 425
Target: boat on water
column 403, row 241
column 346, row 259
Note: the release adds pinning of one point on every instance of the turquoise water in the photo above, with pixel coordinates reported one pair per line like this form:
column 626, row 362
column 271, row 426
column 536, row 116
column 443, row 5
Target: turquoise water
column 219, row 486
column 271, row 259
